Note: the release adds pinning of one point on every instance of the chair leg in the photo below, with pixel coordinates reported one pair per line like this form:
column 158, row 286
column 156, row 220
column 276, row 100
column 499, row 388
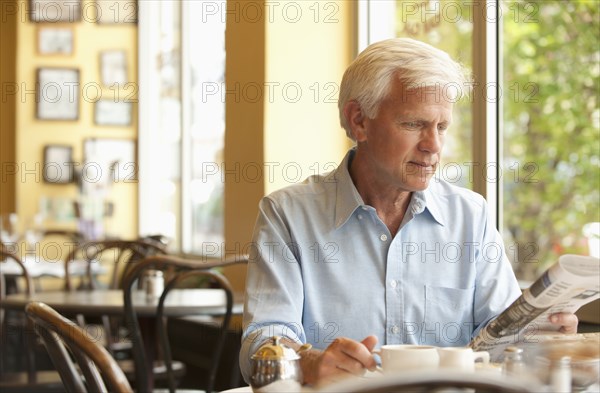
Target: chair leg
column 30, row 341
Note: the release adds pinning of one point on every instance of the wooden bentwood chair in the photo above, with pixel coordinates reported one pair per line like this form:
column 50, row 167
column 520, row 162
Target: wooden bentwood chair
column 121, row 254
column 118, row 256
column 179, row 270
column 99, row 371
column 15, row 325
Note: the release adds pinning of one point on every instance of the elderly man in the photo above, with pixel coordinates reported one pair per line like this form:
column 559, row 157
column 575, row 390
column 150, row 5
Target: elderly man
column 378, row 250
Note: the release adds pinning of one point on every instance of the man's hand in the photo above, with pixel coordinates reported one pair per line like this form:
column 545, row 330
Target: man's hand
column 567, row 321
column 343, row 357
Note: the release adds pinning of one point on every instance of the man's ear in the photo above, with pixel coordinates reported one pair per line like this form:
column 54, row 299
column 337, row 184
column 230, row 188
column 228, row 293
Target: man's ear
column 356, row 119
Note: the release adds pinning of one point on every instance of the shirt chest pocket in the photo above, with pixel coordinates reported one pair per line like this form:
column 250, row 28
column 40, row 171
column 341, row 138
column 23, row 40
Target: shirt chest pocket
column 449, row 311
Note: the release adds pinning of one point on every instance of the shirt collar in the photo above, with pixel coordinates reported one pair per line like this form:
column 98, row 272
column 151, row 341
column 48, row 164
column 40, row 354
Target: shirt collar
column 427, row 200
column 348, row 199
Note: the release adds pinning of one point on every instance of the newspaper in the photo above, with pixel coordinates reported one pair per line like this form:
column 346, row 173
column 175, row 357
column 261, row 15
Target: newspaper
column 568, row 284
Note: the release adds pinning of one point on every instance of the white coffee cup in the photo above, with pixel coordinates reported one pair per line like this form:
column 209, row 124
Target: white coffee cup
column 402, row 357
column 461, row 358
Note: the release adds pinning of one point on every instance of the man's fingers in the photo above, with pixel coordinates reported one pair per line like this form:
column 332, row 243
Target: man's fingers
column 359, row 353
column 370, row 343
column 567, row 321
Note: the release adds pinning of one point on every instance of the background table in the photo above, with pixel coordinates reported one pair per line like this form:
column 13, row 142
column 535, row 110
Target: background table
column 38, row 267
column 180, row 302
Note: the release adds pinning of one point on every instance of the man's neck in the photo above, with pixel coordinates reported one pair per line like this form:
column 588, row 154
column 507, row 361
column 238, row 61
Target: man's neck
column 390, row 202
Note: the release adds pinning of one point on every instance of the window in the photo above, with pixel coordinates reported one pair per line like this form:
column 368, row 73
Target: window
column 540, row 63
column 182, row 122
column 551, row 128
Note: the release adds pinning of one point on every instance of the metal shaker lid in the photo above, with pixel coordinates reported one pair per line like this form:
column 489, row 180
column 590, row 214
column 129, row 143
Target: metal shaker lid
column 274, row 350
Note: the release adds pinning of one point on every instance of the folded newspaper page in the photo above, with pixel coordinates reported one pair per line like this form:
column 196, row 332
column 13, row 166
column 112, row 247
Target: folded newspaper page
column 566, row 286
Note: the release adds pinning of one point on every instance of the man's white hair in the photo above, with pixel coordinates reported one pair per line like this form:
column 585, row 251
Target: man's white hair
column 416, row 64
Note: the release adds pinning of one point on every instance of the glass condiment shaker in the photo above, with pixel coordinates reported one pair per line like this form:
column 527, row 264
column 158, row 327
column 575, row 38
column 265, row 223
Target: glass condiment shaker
column 154, row 283
column 514, row 364
column 560, row 375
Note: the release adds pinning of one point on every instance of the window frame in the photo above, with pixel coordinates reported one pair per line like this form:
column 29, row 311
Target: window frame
column 149, row 110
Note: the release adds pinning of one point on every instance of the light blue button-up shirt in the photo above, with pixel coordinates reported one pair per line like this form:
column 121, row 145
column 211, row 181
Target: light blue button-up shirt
column 325, row 266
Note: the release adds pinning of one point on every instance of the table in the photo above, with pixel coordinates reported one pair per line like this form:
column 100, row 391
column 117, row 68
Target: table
column 180, row 302
column 37, row 267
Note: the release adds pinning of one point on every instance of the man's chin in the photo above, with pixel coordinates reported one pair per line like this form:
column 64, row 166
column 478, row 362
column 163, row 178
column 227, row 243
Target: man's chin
column 420, row 184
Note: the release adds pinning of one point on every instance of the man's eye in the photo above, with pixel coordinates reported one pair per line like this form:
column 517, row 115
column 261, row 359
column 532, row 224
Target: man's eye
column 412, row 124
column 442, row 128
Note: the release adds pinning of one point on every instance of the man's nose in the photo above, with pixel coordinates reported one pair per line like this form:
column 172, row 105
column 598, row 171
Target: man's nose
column 431, row 141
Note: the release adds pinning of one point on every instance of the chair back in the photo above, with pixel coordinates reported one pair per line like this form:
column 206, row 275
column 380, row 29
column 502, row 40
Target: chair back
column 100, row 371
column 6, row 257
column 181, row 270
column 119, row 253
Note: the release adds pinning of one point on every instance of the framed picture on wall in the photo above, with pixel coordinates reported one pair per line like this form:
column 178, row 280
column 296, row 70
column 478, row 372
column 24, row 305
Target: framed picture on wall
column 112, row 113
column 55, row 41
column 55, row 10
column 113, row 67
column 57, row 94
column 116, row 11
column 114, row 159
column 58, row 164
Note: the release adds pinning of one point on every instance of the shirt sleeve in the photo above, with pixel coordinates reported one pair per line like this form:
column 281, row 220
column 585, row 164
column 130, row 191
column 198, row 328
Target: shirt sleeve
column 496, row 287
column 274, row 287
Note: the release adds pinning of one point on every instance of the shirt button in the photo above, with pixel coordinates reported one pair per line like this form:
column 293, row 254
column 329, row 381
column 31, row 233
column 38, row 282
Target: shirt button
column 393, row 283
column 360, row 217
column 395, row 329
column 363, row 207
column 383, row 237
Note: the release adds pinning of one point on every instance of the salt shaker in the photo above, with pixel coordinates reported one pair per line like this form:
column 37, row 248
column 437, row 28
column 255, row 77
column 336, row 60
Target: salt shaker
column 154, row 283
column 513, row 361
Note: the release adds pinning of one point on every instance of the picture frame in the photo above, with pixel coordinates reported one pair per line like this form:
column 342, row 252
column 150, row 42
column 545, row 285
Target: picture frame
column 53, row 11
column 58, row 164
column 114, row 159
column 116, row 11
column 55, row 41
column 113, row 113
column 57, row 94
column 113, row 67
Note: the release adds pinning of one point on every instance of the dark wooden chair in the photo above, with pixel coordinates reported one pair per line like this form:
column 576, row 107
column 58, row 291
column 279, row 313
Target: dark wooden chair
column 180, row 270
column 96, row 370
column 17, row 327
column 57, row 242
column 117, row 256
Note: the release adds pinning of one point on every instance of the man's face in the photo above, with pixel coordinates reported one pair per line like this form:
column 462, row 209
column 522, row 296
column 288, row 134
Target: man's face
column 403, row 143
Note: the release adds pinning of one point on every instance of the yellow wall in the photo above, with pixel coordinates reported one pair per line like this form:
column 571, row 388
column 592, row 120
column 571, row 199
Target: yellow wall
column 290, row 48
column 283, row 50
column 32, row 134
column 308, row 47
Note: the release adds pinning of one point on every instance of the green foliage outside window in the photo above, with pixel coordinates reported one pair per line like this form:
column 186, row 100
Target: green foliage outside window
column 551, row 143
